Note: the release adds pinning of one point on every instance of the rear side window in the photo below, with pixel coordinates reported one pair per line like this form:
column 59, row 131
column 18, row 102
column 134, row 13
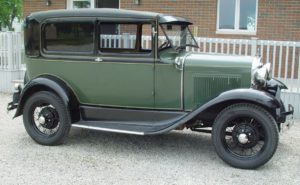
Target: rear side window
column 69, row 37
column 32, row 38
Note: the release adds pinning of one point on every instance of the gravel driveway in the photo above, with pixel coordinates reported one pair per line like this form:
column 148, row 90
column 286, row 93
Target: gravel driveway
column 90, row 157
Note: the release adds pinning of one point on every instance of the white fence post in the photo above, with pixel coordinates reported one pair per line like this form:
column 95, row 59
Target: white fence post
column 9, row 51
column 126, row 40
column 253, row 46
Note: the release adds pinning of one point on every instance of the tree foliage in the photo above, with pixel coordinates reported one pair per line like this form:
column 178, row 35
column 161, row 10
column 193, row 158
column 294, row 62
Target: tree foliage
column 9, row 11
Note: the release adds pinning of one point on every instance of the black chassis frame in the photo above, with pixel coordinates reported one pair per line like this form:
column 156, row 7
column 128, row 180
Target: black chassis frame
column 149, row 122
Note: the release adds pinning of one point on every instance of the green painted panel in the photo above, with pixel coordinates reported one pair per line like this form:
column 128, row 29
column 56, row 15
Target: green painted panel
column 102, row 83
column 206, row 76
column 167, row 86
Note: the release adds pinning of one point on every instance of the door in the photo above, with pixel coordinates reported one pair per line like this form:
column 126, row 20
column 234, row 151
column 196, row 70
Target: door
column 168, row 79
column 168, row 82
column 125, row 65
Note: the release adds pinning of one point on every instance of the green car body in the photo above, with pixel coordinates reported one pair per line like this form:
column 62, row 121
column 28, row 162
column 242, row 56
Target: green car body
column 77, row 78
column 149, row 85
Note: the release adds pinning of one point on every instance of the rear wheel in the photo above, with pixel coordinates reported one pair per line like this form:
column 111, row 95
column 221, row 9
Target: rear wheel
column 46, row 118
column 245, row 135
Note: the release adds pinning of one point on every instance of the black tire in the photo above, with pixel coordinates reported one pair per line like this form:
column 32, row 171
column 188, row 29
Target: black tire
column 49, row 104
column 251, row 121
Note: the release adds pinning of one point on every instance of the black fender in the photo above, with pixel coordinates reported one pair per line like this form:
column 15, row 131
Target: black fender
column 55, row 85
column 262, row 98
column 211, row 109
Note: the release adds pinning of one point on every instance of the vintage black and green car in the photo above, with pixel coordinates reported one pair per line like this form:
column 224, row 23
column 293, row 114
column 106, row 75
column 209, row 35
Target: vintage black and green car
column 131, row 72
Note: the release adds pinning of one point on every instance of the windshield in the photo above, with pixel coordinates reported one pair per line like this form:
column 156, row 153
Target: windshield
column 178, row 36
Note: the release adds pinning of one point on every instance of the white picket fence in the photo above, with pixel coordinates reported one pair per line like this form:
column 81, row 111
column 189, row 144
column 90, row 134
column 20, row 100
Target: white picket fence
column 284, row 56
column 11, row 66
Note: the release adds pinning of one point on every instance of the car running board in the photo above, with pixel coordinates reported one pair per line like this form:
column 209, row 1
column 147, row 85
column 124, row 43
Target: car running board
column 142, row 128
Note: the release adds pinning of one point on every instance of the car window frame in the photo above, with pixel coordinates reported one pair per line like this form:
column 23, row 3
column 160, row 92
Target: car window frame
column 67, row 54
column 128, row 21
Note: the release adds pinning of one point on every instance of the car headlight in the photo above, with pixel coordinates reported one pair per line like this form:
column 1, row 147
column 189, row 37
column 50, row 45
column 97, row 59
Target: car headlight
column 260, row 73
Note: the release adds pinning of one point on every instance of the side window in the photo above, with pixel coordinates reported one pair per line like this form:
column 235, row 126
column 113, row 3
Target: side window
column 32, row 38
column 146, row 37
column 129, row 38
column 69, row 37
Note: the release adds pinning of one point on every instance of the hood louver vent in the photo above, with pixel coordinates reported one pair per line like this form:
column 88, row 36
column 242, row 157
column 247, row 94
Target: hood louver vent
column 208, row 86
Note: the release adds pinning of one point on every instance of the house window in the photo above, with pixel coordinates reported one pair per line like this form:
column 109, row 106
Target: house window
column 76, row 4
column 237, row 17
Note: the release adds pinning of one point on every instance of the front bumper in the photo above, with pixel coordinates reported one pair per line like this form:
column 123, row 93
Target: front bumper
column 289, row 121
column 284, row 117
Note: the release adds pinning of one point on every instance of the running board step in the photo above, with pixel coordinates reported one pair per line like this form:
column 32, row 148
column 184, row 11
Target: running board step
column 121, row 127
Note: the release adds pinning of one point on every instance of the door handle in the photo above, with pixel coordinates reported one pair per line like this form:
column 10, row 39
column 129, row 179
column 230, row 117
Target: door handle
column 179, row 63
column 98, row 59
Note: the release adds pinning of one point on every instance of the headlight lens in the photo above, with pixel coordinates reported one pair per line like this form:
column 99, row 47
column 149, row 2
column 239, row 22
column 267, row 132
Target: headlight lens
column 260, row 73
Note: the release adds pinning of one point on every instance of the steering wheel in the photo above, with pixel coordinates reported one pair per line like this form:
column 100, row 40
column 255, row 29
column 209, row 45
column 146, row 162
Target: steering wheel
column 178, row 48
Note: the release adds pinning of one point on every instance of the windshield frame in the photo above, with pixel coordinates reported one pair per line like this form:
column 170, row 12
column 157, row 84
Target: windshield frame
column 170, row 41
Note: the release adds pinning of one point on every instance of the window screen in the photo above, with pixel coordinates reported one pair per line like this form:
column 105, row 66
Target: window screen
column 69, row 37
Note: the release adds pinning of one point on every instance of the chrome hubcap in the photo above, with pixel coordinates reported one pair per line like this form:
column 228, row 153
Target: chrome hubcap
column 243, row 138
column 42, row 120
column 46, row 119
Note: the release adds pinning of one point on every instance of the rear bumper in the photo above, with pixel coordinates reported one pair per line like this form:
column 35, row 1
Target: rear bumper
column 15, row 99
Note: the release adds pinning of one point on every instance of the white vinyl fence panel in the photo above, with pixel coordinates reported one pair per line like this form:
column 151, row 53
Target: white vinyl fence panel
column 11, row 67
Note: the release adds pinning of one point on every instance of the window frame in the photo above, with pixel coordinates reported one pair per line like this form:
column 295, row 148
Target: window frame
column 66, row 54
column 236, row 30
column 125, row 21
column 70, row 3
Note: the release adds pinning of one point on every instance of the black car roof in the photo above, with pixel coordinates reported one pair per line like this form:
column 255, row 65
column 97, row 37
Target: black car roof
column 106, row 12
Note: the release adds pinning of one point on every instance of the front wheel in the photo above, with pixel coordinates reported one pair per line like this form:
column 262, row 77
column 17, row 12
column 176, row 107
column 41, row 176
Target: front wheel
column 46, row 118
column 245, row 135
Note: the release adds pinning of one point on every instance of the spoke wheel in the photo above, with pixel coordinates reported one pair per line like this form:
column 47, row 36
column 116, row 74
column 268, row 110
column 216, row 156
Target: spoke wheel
column 46, row 118
column 245, row 135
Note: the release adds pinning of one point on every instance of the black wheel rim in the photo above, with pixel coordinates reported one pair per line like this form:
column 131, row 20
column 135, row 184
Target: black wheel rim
column 244, row 137
column 44, row 118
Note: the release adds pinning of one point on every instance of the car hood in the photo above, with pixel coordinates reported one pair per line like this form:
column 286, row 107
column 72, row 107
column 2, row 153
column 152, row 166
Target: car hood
column 218, row 60
column 208, row 75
